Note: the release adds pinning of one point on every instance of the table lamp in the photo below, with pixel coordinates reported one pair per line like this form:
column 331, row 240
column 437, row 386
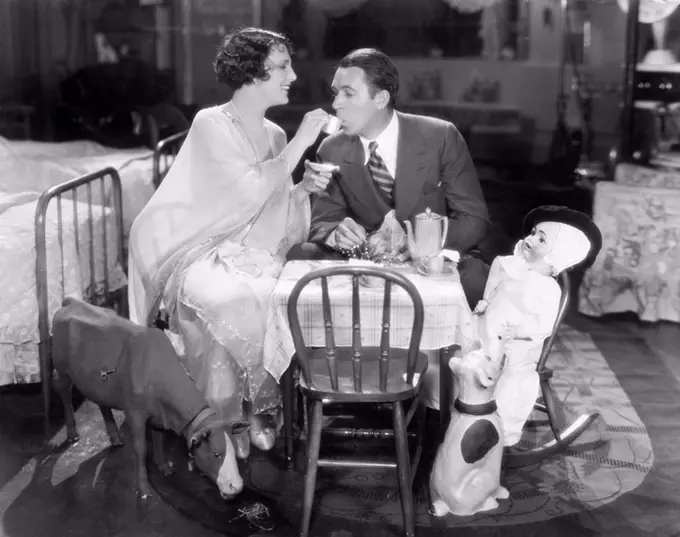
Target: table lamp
column 657, row 77
column 657, row 88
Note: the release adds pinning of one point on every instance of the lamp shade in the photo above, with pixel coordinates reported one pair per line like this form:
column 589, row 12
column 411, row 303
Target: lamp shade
column 471, row 6
column 652, row 10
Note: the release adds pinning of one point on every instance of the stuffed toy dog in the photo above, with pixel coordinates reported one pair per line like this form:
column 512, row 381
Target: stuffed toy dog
column 466, row 474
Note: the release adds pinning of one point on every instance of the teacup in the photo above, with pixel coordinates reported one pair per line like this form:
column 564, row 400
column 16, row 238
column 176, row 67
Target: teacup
column 435, row 265
column 333, row 126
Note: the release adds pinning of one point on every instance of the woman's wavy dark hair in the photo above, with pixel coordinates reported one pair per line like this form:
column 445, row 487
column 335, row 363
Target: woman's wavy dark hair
column 241, row 56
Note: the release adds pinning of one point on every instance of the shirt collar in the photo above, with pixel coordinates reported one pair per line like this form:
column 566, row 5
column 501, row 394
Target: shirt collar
column 387, row 139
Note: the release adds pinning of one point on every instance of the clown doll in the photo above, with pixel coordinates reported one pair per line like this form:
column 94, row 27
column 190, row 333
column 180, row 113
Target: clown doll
column 521, row 302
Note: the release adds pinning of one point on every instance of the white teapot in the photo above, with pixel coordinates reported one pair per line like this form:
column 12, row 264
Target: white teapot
column 429, row 237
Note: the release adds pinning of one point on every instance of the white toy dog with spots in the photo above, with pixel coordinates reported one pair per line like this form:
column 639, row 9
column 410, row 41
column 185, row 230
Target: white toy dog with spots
column 466, row 474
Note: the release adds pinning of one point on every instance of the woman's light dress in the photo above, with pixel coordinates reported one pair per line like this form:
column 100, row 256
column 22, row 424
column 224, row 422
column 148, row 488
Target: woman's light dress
column 210, row 245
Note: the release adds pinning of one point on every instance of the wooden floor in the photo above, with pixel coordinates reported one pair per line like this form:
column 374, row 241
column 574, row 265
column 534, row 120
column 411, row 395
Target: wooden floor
column 86, row 491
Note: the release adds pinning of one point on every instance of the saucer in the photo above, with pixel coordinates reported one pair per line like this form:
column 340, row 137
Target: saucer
column 448, row 271
column 324, row 166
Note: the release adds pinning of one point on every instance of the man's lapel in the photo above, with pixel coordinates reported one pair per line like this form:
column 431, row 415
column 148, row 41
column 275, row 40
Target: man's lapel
column 411, row 162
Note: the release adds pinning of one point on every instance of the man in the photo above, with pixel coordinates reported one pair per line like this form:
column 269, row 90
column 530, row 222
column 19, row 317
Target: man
column 390, row 160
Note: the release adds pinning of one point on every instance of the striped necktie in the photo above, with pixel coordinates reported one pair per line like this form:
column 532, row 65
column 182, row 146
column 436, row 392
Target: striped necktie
column 379, row 171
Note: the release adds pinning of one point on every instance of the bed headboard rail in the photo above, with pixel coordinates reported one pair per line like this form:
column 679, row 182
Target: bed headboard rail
column 77, row 221
column 164, row 155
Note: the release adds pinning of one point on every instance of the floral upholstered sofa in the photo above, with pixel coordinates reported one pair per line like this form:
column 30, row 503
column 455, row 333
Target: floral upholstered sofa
column 638, row 268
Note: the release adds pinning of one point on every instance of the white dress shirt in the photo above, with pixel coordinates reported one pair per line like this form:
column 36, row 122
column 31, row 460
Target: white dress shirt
column 387, row 145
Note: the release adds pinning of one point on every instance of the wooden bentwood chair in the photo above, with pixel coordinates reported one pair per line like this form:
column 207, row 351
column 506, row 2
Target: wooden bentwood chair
column 356, row 374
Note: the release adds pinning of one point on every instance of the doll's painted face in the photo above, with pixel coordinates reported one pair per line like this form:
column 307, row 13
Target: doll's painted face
column 538, row 244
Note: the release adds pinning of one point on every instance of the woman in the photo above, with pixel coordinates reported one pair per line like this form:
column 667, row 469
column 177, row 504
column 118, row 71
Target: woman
column 211, row 242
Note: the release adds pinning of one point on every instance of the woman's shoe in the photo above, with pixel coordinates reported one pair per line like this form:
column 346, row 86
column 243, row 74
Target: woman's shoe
column 262, row 436
column 242, row 442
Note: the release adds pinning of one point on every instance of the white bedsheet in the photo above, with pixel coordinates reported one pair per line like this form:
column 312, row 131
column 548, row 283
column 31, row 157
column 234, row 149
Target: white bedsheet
column 18, row 302
column 36, row 166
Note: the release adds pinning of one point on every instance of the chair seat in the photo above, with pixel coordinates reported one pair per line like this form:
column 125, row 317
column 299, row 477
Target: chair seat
column 397, row 387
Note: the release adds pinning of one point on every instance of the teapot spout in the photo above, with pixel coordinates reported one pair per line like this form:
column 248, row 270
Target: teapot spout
column 410, row 240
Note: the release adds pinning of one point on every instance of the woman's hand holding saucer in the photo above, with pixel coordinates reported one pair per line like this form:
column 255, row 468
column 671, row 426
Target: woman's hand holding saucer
column 318, row 175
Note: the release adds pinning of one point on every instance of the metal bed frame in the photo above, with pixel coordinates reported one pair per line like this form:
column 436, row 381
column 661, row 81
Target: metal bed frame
column 164, row 154
column 114, row 299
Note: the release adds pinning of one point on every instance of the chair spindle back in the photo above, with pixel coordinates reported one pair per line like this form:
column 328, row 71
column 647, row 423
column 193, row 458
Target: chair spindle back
column 565, row 284
column 357, row 273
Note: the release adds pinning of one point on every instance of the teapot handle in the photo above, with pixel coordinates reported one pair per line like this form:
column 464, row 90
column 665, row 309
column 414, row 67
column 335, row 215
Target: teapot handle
column 445, row 230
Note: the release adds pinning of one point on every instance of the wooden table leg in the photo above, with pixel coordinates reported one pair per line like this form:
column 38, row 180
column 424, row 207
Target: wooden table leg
column 444, row 392
column 288, row 396
column 445, row 388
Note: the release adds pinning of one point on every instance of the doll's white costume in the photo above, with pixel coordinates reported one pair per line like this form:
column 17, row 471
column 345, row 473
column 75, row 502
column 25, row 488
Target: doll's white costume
column 520, row 304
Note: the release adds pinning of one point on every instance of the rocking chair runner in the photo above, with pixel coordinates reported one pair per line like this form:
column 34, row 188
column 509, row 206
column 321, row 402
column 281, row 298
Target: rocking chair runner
column 361, row 375
column 564, row 435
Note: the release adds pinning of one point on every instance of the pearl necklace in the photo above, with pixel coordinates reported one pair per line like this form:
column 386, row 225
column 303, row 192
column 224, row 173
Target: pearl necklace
column 253, row 147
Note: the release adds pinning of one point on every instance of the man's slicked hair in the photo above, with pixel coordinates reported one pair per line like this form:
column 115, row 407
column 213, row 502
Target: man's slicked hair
column 379, row 69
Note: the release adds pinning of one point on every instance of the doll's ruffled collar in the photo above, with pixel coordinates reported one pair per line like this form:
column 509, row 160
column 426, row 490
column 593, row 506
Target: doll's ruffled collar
column 515, row 265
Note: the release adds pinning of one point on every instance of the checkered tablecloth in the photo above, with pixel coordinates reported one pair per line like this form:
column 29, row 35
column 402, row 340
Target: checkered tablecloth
column 448, row 319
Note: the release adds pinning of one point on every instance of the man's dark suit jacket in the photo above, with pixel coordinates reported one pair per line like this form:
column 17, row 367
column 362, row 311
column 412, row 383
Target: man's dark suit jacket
column 434, row 169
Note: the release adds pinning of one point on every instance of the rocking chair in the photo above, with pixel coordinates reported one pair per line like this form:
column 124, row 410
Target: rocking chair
column 548, row 403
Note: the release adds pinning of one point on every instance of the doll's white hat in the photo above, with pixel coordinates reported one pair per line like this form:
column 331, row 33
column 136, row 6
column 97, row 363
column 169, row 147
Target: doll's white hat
column 580, row 224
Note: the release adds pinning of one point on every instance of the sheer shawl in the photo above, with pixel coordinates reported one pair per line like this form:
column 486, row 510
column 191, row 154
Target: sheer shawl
column 214, row 189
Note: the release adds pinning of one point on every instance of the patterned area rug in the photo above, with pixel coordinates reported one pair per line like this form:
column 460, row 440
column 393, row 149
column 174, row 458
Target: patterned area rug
column 610, row 459
column 607, row 461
